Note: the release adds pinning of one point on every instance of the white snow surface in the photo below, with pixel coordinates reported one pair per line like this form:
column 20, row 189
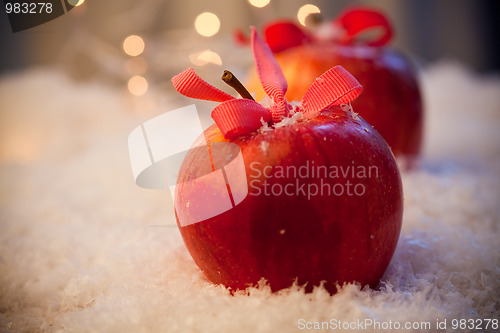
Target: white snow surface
column 83, row 249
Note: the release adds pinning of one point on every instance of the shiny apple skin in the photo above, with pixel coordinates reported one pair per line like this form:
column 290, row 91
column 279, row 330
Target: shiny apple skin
column 335, row 239
column 391, row 100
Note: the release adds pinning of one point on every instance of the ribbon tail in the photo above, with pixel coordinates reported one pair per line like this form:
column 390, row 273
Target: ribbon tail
column 189, row 84
column 270, row 75
column 239, row 116
column 334, row 87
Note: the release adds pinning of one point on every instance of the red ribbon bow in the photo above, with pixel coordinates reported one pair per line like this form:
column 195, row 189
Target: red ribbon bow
column 356, row 20
column 236, row 117
column 353, row 22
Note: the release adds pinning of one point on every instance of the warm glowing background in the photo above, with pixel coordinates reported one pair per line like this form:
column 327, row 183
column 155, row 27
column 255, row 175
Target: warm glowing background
column 83, row 249
column 140, row 44
column 461, row 29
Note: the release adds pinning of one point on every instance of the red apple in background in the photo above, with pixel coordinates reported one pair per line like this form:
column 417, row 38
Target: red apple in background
column 324, row 202
column 391, row 99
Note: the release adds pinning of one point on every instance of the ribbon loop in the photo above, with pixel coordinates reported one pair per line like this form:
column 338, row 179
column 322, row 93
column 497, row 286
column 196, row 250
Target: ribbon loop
column 270, row 75
column 334, row 87
column 191, row 85
column 239, row 116
column 357, row 20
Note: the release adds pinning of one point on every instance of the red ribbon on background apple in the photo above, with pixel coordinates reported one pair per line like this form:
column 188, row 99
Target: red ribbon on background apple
column 356, row 20
column 352, row 22
column 236, row 117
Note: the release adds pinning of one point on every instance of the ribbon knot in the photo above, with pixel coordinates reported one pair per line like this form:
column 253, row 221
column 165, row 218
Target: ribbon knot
column 236, row 117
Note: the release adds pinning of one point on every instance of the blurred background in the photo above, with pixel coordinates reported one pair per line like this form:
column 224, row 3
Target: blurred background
column 90, row 41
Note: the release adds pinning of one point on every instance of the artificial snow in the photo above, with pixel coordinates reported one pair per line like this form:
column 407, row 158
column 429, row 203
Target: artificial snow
column 295, row 115
column 295, row 118
column 83, row 249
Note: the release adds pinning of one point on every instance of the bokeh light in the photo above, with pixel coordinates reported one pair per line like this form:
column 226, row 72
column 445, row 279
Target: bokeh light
column 137, row 85
column 207, row 24
column 76, row 3
column 305, row 11
column 133, row 45
column 259, row 3
column 205, row 57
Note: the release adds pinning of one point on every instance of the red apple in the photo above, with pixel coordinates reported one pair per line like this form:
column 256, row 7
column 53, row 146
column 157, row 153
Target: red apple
column 324, row 202
column 391, row 100
column 335, row 238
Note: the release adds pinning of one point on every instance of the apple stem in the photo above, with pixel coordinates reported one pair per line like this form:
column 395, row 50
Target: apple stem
column 231, row 80
column 314, row 20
